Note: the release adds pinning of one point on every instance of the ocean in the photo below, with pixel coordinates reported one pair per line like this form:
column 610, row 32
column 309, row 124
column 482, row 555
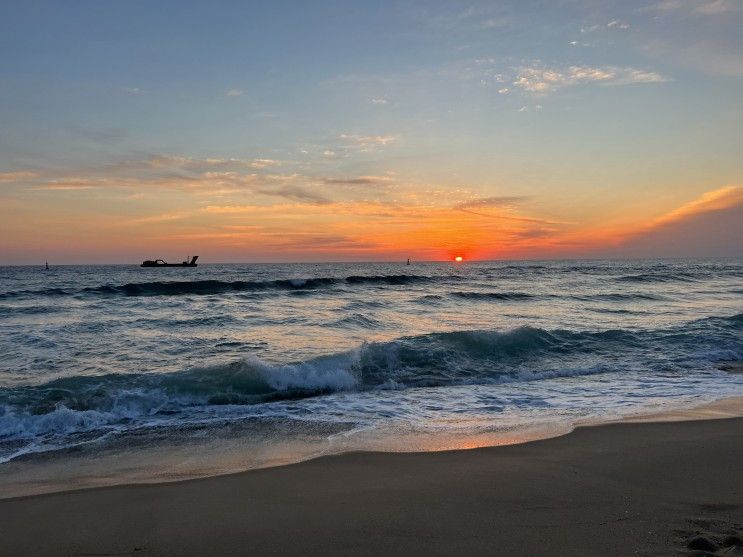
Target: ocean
column 117, row 373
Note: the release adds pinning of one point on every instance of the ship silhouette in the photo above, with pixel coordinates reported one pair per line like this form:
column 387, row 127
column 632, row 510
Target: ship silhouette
column 160, row 263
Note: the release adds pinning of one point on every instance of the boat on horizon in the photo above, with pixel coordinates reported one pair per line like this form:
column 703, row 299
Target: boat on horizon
column 160, row 263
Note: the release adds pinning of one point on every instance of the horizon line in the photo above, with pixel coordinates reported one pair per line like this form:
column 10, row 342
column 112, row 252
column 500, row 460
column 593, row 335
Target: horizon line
column 400, row 261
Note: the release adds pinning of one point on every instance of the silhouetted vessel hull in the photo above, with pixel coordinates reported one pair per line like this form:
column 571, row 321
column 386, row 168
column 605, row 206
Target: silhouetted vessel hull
column 161, row 263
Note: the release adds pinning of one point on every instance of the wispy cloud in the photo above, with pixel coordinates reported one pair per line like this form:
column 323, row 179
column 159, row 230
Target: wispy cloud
column 193, row 164
column 699, row 7
column 715, row 7
column 72, row 185
column 710, row 225
column 150, row 219
column 366, row 141
column 359, row 181
column 614, row 24
column 235, row 93
column 543, row 80
column 501, row 201
column 19, row 176
column 715, row 200
column 472, row 18
column 205, row 177
column 294, row 192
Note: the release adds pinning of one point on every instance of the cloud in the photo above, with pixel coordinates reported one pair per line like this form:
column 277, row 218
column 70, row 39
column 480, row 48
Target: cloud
column 464, row 21
column 293, row 192
column 133, row 90
column 314, row 241
column 502, row 201
column 616, row 24
column 359, row 181
column 711, row 225
column 163, row 217
column 542, row 80
column 718, row 7
column 63, row 186
column 262, row 163
column 699, row 7
column 191, row 164
column 503, row 204
column 234, row 93
column 199, row 176
column 379, row 101
column 19, row 176
column 366, row 141
column 715, row 200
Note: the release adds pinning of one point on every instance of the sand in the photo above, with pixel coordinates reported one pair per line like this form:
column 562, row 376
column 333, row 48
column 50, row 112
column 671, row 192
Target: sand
column 616, row 489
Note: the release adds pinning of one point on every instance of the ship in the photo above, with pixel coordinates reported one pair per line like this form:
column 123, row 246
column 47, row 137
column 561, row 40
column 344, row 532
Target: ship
column 189, row 262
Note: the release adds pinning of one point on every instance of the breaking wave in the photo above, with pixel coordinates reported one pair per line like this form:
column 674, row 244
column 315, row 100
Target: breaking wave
column 99, row 403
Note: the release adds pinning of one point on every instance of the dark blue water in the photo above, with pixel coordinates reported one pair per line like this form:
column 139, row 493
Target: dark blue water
column 343, row 356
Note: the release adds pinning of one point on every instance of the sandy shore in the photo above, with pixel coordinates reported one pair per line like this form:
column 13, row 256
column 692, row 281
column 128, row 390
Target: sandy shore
column 617, row 489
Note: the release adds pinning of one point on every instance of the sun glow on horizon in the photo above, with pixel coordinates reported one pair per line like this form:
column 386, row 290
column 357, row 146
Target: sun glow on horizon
column 458, row 259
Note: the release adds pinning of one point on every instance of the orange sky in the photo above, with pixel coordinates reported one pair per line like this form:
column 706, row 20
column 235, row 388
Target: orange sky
column 257, row 213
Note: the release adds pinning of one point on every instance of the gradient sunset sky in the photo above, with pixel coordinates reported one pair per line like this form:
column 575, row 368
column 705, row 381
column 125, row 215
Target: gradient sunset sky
column 328, row 131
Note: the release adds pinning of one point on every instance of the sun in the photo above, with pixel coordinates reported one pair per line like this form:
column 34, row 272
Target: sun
column 459, row 259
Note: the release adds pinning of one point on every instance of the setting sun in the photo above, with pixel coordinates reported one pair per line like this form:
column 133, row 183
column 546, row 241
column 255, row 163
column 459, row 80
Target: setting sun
column 458, row 259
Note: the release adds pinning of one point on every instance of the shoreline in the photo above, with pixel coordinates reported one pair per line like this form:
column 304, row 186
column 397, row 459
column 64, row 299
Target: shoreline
column 612, row 489
column 31, row 478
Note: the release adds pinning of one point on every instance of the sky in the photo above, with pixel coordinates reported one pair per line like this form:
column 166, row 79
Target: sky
column 365, row 131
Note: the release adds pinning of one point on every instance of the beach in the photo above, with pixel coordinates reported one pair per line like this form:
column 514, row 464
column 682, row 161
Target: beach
column 613, row 489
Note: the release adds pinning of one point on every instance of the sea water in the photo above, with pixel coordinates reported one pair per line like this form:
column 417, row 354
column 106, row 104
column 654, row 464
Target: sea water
column 119, row 373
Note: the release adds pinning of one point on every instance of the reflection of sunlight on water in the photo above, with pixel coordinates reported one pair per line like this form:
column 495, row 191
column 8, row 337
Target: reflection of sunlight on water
column 401, row 440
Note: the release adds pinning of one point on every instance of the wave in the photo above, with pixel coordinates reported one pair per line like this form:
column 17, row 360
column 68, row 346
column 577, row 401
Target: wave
column 620, row 297
column 505, row 296
column 206, row 287
column 28, row 310
column 357, row 320
column 524, row 296
column 84, row 403
column 653, row 277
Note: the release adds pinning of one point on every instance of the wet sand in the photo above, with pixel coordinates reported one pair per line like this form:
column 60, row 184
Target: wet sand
column 616, row 489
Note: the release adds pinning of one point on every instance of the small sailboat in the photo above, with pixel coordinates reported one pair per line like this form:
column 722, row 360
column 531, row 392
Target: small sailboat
column 46, row 264
column 408, row 263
